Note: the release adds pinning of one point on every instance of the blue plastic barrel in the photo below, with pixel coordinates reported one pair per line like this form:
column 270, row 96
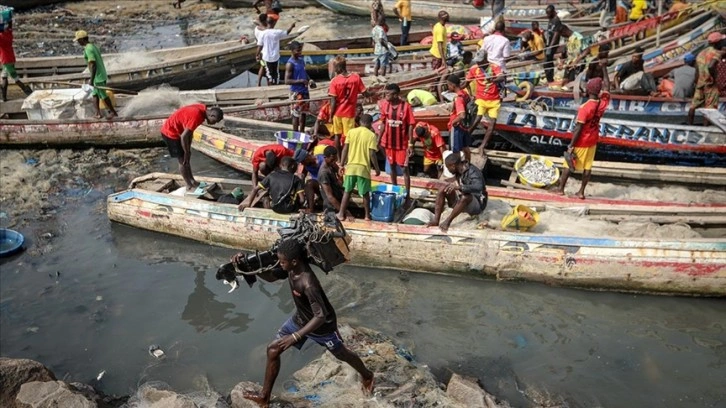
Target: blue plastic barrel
column 383, row 205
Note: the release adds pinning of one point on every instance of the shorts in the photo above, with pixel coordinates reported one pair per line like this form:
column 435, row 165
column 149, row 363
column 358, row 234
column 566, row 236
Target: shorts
column 302, row 105
column 429, row 162
column 382, row 60
column 585, row 158
column 398, row 157
column 100, row 93
column 9, row 71
column 490, row 108
column 363, row 184
column 332, row 341
column 706, row 97
column 272, row 71
column 477, row 205
column 460, row 139
column 174, row 146
column 341, row 126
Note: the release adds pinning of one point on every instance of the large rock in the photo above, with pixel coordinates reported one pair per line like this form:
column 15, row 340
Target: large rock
column 238, row 401
column 160, row 396
column 467, row 392
column 50, row 394
column 16, row 372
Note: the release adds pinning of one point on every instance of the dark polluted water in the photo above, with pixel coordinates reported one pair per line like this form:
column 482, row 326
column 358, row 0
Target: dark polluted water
column 106, row 292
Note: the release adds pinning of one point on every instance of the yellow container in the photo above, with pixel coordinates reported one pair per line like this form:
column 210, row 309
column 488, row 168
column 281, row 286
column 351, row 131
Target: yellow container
column 524, row 159
column 111, row 96
column 520, row 218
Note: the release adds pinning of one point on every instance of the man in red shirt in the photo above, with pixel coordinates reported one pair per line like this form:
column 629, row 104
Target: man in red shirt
column 586, row 132
column 487, row 77
column 434, row 147
column 7, row 58
column 459, row 131
column 177, row 132
column 344, row 90
column 266, row 158
column 396, row 130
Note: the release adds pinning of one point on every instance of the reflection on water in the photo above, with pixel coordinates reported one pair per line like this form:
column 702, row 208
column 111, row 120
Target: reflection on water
column 121, row 290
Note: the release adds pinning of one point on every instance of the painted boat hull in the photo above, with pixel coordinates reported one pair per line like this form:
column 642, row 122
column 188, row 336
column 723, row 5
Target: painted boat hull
column 548, row 133
column 28, row 4
column 696, row 267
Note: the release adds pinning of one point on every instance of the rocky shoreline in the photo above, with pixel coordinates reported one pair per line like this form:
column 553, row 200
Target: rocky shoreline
column 324, row 382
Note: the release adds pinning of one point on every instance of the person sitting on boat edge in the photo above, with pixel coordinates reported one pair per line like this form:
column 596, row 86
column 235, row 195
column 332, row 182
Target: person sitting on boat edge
column 178, row 131
column 467, row 194
column 396, row 130
column 706, row 94
column 586, row 133
column 314, row 319
column 284, row 190
column 311, row 162
column 434, row 147
column 684, row 78
column 633, row 70
column 96, row 67
column 330, row 180
column 266, row 158
column 299, row 81
column 488, row 77
column 358, row 154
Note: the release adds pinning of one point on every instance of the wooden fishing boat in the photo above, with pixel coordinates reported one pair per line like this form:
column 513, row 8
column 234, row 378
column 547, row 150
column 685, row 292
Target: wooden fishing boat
column 547, row 133
column 195, row 67
column 236, row 151
column 458, row 11
column 687, row 267
column 122, row 132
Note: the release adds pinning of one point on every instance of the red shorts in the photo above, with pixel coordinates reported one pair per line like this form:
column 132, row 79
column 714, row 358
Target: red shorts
column 397, row 156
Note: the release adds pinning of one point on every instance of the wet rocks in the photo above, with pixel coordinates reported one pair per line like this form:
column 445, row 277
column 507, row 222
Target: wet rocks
column 14, row 373
column 159, row 396
column 50, row 394
column 236, row 396
column 468, row 392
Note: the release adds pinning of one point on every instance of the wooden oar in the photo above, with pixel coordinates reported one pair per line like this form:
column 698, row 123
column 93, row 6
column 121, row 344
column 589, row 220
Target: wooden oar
column 105, row 88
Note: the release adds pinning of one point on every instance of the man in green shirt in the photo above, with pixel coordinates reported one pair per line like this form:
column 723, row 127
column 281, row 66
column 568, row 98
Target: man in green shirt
column 98, row 73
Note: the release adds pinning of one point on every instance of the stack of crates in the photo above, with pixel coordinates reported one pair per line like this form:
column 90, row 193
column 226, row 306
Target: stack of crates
column 6, row 16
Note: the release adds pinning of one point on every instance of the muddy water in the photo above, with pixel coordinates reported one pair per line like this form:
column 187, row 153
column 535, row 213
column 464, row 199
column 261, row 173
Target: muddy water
column 106, row 292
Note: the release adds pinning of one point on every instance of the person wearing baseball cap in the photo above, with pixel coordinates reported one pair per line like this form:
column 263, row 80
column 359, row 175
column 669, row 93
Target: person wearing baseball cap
column 706, row 92
column 96, row 67
column 684, row 77
column 580, row 152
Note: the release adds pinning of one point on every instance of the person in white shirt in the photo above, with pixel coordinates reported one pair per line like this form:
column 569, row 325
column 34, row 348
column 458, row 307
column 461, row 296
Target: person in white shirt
column 268, row 50
column 259, row 28
column 497, row 46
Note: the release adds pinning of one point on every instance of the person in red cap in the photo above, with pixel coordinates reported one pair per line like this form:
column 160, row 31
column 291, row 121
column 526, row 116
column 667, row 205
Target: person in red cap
column 586, row 133
column 706, row 94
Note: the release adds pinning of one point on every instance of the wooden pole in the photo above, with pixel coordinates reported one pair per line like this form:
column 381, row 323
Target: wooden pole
column 657, row 29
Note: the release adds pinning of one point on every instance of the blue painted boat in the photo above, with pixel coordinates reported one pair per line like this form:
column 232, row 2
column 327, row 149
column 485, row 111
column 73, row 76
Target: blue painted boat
column 11, row 242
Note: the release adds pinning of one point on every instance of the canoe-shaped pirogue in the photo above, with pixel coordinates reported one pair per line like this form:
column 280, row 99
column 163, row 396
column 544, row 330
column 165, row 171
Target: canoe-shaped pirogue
column 692, row 267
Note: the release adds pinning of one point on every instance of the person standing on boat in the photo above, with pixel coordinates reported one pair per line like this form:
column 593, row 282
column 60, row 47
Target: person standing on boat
column 7, row 58
column 466, row 194
column 459, row 130
column 438, row 44
column 402, row 10
column 380, row 47
column 98, row 73
column 314, row 319
column 299, row 81
column 343, row 91
column 638, row 8
column 396, row 129
column 684, row 78
column 434, row 147
column 177, row 132
column 586, row 133
column 259, row 28
column 358, row 154
column 488, row 77
column 574, row 49
column 497, row 46
column 268, row 50
column 552, row 35
column 376, row 13
column 706, row 93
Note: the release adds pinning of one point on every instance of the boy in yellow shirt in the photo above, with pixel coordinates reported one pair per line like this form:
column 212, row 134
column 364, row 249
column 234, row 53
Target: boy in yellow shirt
column 359, row 152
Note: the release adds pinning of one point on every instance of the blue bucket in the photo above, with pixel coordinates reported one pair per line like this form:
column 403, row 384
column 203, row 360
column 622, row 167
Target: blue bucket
column 10, row 242
column 293, row 140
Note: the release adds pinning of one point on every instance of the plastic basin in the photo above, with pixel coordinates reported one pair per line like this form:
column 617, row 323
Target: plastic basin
column 10, row 242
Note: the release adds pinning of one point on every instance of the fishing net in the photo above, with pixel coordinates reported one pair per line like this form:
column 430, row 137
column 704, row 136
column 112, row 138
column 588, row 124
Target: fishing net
column 131, row 60
column 162, row 100
column 158, row 393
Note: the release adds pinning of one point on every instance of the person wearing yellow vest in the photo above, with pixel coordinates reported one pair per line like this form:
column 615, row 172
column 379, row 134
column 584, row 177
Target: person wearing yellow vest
column 438, row 45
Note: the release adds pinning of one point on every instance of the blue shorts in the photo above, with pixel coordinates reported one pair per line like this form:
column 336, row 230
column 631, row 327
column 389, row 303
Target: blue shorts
column 383, row 60
column 332, row 341
column 460, row 139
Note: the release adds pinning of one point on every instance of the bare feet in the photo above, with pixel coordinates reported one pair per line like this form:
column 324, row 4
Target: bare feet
column 112, row 115
column 560, row 192
column 368, row 219
column 581, row 195
column 368, row 385
column 340, row 217
column 256, row 397
column 444, row 226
